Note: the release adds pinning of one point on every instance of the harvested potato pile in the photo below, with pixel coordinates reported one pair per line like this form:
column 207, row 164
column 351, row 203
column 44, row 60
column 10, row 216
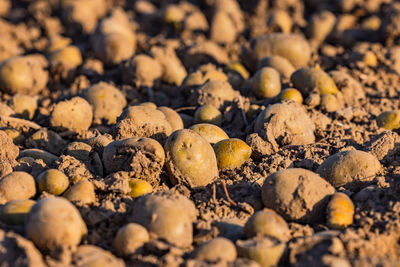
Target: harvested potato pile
column 186, row 133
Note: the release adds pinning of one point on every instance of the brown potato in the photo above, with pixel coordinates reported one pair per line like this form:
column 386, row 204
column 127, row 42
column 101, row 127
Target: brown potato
column 308, row 79
column 15, row 211
column 141, row 70
column 266, row 83
column 24, row 106
column 130, row 238
column 92, row 256
column 297, row 194
column 81, row 192
column 279, row 21
column 208, row 114
column 173, row 71
column 17, row 185
column 69, row 57
column 216, row 250
column 281, row 64
column 172, row 117
column 212, row 133
column 190, row 159
column 47, row 140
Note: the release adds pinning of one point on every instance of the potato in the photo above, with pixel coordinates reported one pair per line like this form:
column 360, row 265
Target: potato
column 214, row 92
column 47, row 157
column 266, row 251
column 139, row 188
column 213, row 134
column 81, row 192
column 142, row 121
column 351, row 169
column 47, row 140
column 107, row 102
column 267, row 222
column 8, row 151
column 204, row 52
column 340, row 211
column 296, row 194
column 5, row 6
column 329, row 103
column 57, row 42
column 15, row 211
column 69, row 57
column 290, row 46
column 130, row 238
column 98, row 143
column 291, row 94
column 351, row 89
column 308, row 79
column 208, row 114
column 24, row 105
column 389, row 120
column 280, row 64
column 80, row 115
column 143, row 157
column 54, row 223
column 231, row 153
column 239, row 69
column 141, row 70
column 92, row 256
column 321, row 25
column 266, row 83
column 166, row 217
column 114, row 39
column 172, row 117
column 202, row 74
column 16, row 185
column 15, row 135
column 78, row 150
column 23, row 75
column 52, row 181
column 190, row 159
column 216, row 250
column 285, row 124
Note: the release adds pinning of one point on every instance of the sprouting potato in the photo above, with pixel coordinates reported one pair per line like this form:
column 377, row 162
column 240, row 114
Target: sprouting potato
column 107, row 102
column 212, row 133
column 308, row 79
column 15, row 211
column 130, row 238
column 24, row 105
column 172, row 117
column 389, row 120
column 52, row 181
column 16, row 185
column 350, row 169
column 266, row 251
column 231, row 153
column 216, row 250
column 280, row 64
column 81, row 192
column 266, row 83
column 23, row 75
column 340, row 211
column 190, row 159
column 80, row 115
column 208, row 114
column 291, row 94
column 297, row 194
column 267, row 222
column 93, row 256
column 54, row 223
column 139, row 188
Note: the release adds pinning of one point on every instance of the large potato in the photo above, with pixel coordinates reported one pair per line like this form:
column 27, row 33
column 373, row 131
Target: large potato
column 351, row 169
column 17, row 185
column 54, row 223
column 190, row 159
column 297, row 194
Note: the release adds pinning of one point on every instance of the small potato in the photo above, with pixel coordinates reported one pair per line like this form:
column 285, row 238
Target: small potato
column 52, row 181
column 14, row 212
column 107, row 102
column 92, row 256
column 139, row 188
column 291, row 94
column 280, row 64
column 80, row 115
column 190, row 159
column 350, row 169
column 130, row 238
column 53, row 223
column 24, row 105
column 172, row 117
column 82, row 192
column 17, row 185
column 208, row 114
column 266, row 251
column 213, row 134
column 141, row 70
column 296, row 194
column 216, row 250
column 340, row 211
column 142, row 121
column 68, row 57
column 23, row 75
column 266, row 83
column 329, row 103
column 166, row 217
column 267, row 222
column 78, row 150
column 308, row 79
column 231, row 153
column 389, row 120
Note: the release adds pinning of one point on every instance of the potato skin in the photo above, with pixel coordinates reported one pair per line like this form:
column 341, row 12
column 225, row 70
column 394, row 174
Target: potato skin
column 340, row 211
column 190, row 159
column 297, row 194
column 231, row 153
column 212, row 133
column 351, row 169
column 53, row 222
column 172, row 117
column 129, row 238
column 52, row 181
column 17, row 185
column 266, row 83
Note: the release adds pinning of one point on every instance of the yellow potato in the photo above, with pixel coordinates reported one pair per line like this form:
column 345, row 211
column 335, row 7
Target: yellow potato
column 231, row 153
